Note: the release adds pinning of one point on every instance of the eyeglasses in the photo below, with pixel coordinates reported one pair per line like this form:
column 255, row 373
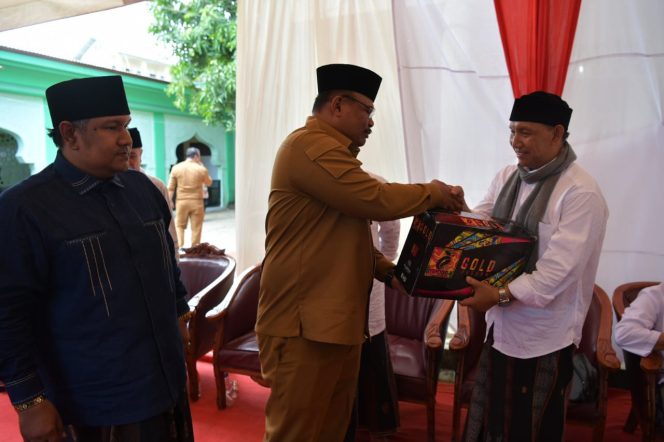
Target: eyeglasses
column 368, row 109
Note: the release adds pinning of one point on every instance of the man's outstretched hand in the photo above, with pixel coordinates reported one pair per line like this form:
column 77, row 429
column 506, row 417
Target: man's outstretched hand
column 452, row 196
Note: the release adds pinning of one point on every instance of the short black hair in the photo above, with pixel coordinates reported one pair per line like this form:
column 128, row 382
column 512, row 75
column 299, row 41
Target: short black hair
column 57, row 136
column 321, row 99
column 325, row 96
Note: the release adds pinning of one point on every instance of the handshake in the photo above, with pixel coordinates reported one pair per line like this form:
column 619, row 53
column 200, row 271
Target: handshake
column 452, row 197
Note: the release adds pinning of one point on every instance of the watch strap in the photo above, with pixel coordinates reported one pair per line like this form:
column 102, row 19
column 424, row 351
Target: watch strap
column 503, row 297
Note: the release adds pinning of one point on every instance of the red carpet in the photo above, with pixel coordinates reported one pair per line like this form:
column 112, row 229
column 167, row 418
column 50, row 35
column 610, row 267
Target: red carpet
column 244, row 420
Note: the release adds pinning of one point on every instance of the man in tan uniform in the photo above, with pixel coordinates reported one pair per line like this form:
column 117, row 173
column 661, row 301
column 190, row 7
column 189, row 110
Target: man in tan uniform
column 320, row 261
column 188, row 177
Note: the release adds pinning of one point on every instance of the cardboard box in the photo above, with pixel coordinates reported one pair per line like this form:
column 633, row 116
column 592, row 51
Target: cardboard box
column 442, row 248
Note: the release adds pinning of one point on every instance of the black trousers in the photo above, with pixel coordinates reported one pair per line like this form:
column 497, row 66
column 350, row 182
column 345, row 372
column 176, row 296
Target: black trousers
column 376, row 406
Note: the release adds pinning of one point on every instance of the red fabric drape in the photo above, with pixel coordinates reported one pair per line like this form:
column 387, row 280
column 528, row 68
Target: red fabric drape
column 537, row 39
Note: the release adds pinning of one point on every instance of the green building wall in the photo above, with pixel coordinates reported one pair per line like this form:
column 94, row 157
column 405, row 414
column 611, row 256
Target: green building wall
column 24, row 114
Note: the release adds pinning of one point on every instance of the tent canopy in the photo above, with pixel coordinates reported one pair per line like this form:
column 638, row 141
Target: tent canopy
column 20, row 13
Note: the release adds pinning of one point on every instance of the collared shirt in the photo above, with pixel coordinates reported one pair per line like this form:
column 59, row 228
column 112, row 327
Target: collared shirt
column 551, row 302
column 188, row 178
column 319, row 256
column 89, row 296
column 643, row 323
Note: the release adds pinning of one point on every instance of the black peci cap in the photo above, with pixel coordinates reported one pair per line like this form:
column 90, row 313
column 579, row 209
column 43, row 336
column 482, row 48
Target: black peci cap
column 135, row 138
column 348, row 77
column 541, row 107
column 84, row 98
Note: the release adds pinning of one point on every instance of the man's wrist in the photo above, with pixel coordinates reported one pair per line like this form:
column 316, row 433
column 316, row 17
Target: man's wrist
column 21, row 407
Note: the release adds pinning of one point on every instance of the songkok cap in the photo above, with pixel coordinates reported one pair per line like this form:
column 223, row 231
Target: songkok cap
column 348, row 77
column 84, row 98
column 541, row 107
column 135, row 138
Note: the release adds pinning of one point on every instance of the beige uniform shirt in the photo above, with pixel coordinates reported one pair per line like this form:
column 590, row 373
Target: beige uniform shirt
column 188, row 178
column 319, row 256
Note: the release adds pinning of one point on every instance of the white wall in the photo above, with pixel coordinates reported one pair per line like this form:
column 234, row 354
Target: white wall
column 20, row 115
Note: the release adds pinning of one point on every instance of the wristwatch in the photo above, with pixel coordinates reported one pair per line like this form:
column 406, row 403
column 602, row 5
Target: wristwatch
column 503, row 297
column 30, row 403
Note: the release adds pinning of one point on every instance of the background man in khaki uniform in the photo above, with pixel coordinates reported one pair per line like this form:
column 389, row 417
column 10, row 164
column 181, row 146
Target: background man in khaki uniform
column 188, row 177
column 320, row 260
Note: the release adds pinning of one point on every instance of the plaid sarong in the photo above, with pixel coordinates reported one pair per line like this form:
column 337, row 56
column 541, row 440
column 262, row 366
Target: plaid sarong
column 519, row 399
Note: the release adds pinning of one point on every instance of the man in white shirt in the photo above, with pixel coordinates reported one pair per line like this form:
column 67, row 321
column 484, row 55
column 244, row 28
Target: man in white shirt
column 534, row 323
column 641, row 331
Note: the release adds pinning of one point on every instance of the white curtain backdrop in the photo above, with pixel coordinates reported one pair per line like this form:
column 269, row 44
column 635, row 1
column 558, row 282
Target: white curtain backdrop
column 280, row 44
column 615, row 83
column 455, row 102
column 457, row 98
column 456, row 92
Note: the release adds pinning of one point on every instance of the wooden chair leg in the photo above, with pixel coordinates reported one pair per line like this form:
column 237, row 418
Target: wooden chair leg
column 456, row 417
column 456, row 401
column 648, row 430
column 602, row 407
column 431, row 420
column 220, row 382
column 598, row 430
column 220, row 378
column 648, row 426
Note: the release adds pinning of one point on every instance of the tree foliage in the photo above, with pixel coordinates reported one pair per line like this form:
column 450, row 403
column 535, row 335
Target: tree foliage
column 203, row 36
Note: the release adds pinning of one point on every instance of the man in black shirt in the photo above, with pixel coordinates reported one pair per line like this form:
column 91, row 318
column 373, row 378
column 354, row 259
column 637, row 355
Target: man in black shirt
column 90, row 294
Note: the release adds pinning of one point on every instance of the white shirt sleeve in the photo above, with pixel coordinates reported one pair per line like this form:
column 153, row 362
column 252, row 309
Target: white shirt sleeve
column 640, row 327
column 388, row 238
column 563, row 249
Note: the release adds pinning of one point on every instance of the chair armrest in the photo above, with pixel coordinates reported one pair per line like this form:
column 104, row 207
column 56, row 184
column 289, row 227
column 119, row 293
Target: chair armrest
column 220, row 311
column 432, row 336
column 196, row 299
column 605, row 353
column 461, row 338
column 652, row 362
column 606, row 356
column 221, row 282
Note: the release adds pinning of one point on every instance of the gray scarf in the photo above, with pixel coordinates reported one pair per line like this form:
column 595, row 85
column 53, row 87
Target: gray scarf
column 533, row 208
